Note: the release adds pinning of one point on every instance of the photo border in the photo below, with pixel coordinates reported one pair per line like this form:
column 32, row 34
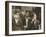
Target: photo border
column 7, row 17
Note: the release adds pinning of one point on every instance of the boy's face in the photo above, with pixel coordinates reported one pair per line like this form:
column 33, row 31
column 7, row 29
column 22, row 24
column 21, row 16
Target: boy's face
column 27, row 14
column 23, row 13
column 17, row 18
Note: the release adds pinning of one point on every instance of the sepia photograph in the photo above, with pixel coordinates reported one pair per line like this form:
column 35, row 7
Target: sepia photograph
column 24, row 18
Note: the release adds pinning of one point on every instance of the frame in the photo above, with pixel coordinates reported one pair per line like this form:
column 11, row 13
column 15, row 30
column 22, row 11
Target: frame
column 35, row 12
